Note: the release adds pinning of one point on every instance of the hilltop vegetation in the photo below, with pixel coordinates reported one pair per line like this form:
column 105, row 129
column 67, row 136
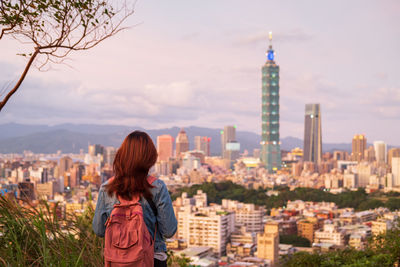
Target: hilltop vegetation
column 42, row 237
column 359, row 200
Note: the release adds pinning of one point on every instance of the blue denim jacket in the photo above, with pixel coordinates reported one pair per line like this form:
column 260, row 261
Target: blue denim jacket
column 166, row 220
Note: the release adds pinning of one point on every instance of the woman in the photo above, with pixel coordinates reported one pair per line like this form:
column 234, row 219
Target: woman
column 132, row 162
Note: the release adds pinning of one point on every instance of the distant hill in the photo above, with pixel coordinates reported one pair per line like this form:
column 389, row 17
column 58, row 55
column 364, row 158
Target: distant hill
column 70, row 138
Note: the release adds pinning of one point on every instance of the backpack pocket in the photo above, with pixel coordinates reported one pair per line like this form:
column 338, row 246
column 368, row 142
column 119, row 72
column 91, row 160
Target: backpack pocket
column 122, row 237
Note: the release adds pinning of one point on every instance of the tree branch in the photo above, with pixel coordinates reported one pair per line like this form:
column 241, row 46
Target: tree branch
column 21, row 79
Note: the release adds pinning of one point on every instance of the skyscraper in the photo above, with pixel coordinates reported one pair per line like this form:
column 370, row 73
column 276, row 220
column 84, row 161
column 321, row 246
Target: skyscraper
column 165, row 147
column 202, row 143
column 312, row 150
column 227, row 135
column 393, row 153
column 64, row 165
column 359, row 144
column 182, row 143
column 270, row 144
column 380, row 151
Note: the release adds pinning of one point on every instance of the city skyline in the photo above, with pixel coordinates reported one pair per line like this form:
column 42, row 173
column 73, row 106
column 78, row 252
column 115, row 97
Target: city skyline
column 210, row 78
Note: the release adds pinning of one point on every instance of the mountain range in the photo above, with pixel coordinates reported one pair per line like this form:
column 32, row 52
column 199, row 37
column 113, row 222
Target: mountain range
column 70, row 138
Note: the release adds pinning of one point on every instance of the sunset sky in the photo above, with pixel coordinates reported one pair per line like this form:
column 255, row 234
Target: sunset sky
column 199, row 63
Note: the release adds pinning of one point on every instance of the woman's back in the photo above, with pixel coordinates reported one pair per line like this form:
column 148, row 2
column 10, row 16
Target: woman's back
column 131, row 166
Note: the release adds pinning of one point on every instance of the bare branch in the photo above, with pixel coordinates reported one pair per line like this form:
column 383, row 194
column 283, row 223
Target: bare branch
column 56, row 28
column 21, row 79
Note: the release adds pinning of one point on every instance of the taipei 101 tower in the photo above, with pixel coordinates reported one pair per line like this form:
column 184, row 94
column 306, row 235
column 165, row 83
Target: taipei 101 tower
column 270, row 143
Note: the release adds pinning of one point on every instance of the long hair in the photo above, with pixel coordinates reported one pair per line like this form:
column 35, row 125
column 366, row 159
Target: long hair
column 132, row 162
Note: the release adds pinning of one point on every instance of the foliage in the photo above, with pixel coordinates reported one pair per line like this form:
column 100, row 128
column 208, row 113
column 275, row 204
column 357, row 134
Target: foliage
column 177, row 260
column 295, row 240
column 32, row 236
column 38, row 237
column 359, row 200
column 382, row 250
column 55, row 28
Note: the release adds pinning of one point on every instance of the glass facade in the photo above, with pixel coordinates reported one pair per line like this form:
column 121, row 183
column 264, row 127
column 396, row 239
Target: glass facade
column 270, row 143
column 312, row 134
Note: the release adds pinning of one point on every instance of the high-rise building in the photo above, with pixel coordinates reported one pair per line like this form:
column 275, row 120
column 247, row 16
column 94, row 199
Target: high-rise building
column 359, row 145
column 165, row 147
column 64, row 165
column 393, row 153
column 380, row 151
column 312, row 150
column 270, row 143
column 96, row 149
column 369, row 154
column 202, row 143
column 182, row 143
column 396, row 171
column 227, row 135
column 268, row 243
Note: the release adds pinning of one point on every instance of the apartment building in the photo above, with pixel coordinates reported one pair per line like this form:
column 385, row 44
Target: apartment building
column 247, row 215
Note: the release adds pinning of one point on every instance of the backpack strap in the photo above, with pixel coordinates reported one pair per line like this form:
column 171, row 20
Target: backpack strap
column 150, row 180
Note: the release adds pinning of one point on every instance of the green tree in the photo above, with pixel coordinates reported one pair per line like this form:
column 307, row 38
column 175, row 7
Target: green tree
column 295, row 240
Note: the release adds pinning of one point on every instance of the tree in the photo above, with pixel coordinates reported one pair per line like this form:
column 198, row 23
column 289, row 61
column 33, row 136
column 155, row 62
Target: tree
column 55, row 28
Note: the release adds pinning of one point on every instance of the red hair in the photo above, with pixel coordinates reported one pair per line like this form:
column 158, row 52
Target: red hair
column 132, row 163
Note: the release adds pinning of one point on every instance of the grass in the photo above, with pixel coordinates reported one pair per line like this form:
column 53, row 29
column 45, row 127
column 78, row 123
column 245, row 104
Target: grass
column 39, row 236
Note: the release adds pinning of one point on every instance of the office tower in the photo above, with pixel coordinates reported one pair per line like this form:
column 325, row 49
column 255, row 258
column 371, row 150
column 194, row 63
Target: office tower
column 182, row 143
column 270, row 144
column 96, row 149
column 165, row 147
column 64, row 165
column 369, row 154
column 380, row 151
column 202, row 143
column 312, row 150
column 268, row 243
column 227, row 135
column 393, row 153
column 109, row 155
column 396, row 171
column 232, row 151
column 359, row 144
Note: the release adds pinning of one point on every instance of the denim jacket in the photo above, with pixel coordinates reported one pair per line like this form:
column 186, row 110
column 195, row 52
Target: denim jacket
column 166, row 220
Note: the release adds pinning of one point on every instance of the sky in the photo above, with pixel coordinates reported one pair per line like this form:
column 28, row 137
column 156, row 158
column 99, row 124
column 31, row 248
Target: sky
column 184, row 63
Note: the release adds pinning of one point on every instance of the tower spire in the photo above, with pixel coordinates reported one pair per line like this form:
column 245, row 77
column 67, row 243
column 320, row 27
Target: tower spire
column 270, row 53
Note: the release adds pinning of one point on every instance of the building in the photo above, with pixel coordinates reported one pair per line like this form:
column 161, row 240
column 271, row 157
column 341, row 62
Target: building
column 380, row 151
column 393, row 152
column 249, row 216
column 306, row 228
column 396, row 171
column 381, row 226
column 359, row 144
column 227, row 135
column 94, row 150
column 270, row 142
column 205, row 228
column 165, row 147
column 182, row 143
column 64, row 165
column 369, row 154
column 202, row 143
column 201, row 225
column 330, row 234
column 312, row 149
column 109, row 155
column 232, row 152
column 268, row 243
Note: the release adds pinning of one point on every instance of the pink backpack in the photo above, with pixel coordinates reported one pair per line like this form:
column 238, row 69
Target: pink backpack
column 127, row 239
